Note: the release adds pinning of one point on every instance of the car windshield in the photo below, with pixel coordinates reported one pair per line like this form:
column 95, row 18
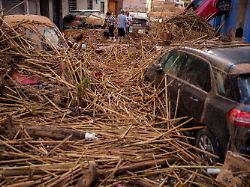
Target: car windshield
column 244, row 87
column 46, row 36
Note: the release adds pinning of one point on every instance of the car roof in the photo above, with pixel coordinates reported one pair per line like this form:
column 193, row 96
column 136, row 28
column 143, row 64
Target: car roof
column 17, row 19
column 231, row 59
column 139, row 15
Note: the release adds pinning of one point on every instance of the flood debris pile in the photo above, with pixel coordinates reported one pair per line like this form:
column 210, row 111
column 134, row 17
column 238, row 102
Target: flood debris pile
column 89, row 37
column 180, row 28
column 89, row 119
column 189, row 27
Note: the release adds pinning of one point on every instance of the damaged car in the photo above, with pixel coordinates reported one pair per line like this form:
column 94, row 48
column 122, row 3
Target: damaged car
column 211, row 86
column 77, row 19
column 42, row 33
column 140, row 22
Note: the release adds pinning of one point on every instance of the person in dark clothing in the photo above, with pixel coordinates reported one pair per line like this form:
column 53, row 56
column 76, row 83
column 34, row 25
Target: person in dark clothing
column 111, row 25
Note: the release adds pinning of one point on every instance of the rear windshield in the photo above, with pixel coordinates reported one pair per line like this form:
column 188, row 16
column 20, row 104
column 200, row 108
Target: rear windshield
column 244, row 88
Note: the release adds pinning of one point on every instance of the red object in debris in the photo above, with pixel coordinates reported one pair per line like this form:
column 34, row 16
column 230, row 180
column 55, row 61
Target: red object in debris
column 98, row 74
column 24, row 80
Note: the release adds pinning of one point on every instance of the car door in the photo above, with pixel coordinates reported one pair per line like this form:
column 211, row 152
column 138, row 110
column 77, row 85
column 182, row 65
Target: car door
column 172, row 67
column 196, row 85
column 218, row 106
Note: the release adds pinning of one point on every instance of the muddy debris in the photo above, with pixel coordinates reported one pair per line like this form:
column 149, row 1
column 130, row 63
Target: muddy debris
column 102, row 93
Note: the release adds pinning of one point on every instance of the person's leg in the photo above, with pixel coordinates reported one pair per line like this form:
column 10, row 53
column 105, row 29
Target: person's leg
column 123, row 32
column 120, row 34
column 110, row 32
column 112, row 35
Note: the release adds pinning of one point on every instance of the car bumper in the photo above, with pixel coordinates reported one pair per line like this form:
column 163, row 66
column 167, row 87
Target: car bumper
column 241, row 140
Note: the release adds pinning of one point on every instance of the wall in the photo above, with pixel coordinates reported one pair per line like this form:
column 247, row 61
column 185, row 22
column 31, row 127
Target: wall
column 81, row 4
column 239, row 16
column 1, row 7
column 246, row 33
column 65, row 8
column 11, row 8
column 137, row 5
column 33, row 7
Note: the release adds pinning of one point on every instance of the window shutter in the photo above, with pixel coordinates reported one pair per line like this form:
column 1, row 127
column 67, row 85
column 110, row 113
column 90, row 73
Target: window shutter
column 72, row 5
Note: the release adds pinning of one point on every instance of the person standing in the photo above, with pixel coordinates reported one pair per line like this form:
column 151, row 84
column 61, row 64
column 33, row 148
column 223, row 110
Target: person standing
column 129, row 23
column 121, row 25
column 111, row 25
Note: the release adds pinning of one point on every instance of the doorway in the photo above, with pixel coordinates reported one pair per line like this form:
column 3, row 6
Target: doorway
column 44, row 8
column 241, row 18
column 57, row 13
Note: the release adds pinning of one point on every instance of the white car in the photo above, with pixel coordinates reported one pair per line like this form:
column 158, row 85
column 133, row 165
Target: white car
column 140, row 21
column 179, row 3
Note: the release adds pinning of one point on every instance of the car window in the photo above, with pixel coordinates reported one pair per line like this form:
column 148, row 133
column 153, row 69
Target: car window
column 220, row 82
column 197, row 72
column 52, row 36
column 244, row 88
column 197, row 3
column 173, row 63
column 164, row 58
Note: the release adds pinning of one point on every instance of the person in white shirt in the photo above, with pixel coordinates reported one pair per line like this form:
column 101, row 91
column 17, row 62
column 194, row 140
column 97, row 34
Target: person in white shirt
column 121, row 24
column 129, row 23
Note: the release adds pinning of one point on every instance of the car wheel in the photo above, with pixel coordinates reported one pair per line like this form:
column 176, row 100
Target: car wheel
column 223, row 6
column 207, row 142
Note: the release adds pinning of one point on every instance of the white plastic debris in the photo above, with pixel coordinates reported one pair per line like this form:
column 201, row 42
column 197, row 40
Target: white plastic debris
column 90, row 136
column 213, row 171
column 84, row 46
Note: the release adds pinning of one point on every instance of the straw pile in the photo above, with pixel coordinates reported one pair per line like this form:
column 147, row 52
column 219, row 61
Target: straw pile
column 43, row 139
column 179, row 28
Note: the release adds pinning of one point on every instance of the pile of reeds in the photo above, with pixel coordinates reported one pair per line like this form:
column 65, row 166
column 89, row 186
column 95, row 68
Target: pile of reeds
column 43, row 139
column 181, row 28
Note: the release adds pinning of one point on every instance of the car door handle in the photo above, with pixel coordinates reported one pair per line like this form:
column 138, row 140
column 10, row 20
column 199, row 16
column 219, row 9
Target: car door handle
column 194, row 99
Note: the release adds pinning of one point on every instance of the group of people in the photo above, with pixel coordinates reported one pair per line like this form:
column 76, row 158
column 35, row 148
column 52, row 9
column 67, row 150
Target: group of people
column 123, row 24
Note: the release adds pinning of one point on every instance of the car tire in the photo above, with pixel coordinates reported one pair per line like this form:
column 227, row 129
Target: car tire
column 207, row 142
column 224, row 6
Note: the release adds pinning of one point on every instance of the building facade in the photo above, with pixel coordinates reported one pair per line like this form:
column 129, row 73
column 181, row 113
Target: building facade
column 236, row 24
column 114, row 6
column 137, row 5
column 53, row 9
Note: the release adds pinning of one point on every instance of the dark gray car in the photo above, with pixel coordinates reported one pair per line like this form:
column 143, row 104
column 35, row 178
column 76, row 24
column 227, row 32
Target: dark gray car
column 214, row 89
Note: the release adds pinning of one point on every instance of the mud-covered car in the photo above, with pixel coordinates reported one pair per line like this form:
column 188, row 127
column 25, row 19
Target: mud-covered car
column 41, row 33
column 140, row 22
column 212, row 86
column 84, row 19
